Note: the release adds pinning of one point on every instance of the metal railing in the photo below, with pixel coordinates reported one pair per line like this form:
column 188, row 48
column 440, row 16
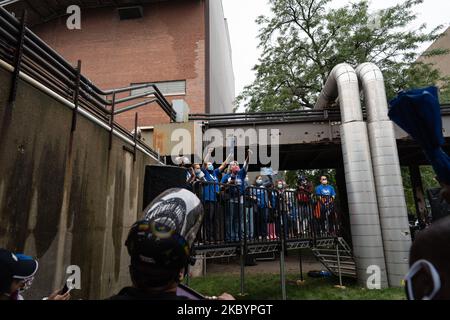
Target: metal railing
column 299, row 116
column 268, row 117
column 254, row 215
column 46, row 66
column 246, row 222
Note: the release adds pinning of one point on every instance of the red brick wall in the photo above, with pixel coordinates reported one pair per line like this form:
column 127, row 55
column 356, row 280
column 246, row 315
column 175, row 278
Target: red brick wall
column 167, row 44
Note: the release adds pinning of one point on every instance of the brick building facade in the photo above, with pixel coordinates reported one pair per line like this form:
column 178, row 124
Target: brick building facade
column 169, row 43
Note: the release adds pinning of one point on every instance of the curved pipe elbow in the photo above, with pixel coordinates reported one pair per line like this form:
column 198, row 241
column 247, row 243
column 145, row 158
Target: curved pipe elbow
column 343, row 83
column 372, row 83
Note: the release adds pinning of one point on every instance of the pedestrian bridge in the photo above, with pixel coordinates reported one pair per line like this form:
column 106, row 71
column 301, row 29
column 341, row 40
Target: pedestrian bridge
column 307, row 139
column 72, row 180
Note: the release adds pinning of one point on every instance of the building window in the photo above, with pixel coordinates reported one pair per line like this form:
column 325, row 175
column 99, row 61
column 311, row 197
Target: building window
column 167, row 88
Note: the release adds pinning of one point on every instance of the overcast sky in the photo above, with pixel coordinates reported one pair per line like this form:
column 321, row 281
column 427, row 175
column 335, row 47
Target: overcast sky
column 241, row 15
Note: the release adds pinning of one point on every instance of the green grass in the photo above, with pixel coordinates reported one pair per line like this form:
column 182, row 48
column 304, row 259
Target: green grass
column 267, row 287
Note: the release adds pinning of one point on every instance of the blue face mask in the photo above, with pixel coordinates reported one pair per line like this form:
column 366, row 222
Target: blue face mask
column 210, row 167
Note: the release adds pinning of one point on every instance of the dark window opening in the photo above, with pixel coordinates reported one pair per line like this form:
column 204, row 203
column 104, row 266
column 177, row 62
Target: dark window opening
column 128, row 13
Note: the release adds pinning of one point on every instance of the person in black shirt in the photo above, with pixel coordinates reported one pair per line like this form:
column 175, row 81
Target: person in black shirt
column 429, row 276
column 160, row 247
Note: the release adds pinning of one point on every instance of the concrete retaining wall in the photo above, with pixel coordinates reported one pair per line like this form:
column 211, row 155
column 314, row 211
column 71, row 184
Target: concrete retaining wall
column 64, row 198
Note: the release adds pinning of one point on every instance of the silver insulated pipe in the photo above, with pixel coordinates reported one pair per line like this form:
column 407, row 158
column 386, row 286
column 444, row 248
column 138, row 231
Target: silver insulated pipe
column 388, row 178
column 362, row 200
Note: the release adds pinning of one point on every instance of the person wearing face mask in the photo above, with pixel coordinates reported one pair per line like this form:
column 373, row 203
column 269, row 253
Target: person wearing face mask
column 304, row 199
column 199, row 175
column 262, row 205
column 249, row 210
column 17, row 272
column 273, row 212
column 197, row 187
column 325, row 195
column 283, row 205
column 324, row 189
column 211, row 189
column 236, row 190
column 185, row 163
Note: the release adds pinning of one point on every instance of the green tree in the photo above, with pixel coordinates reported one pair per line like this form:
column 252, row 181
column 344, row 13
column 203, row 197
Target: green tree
column 312, row 175
column 304, row 40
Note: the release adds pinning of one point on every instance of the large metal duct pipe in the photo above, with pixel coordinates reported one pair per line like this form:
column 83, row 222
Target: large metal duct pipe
column 362, row 200
column 388, row 178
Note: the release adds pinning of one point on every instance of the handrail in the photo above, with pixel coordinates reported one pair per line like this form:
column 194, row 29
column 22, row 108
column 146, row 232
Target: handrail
column 279, row 116
column 295, row 217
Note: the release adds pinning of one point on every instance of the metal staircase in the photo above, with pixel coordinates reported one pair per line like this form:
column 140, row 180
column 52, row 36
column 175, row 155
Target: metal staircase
column 326, row 252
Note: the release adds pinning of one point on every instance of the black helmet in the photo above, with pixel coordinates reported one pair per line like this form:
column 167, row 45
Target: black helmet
column 160, row 245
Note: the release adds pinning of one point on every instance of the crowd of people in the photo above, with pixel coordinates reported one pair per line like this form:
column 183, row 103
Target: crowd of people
column 160, row 248
column 237, row 208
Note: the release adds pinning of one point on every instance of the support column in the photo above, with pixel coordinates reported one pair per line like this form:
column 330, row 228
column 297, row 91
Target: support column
column 359, row 174
column 418, row 192
column 343, row 205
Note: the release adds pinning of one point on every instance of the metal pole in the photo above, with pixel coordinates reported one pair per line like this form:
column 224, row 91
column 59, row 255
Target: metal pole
column 282, row 251
column 283, row 273
column 111, row 120
column 76, row 97
column 243, row 243
column 339, row 264
column 418, row 193
column 135, row 136
column 18, row 61
column 242, row 271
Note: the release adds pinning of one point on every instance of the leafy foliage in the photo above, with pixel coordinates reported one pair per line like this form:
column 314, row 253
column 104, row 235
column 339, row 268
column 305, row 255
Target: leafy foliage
column 304, row 40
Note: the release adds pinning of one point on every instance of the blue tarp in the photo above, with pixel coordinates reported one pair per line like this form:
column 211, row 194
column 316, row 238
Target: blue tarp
column 418, row 112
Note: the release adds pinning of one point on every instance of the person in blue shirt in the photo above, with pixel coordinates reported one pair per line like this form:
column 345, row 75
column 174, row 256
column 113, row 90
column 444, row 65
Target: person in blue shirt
column 272, row 221
column 262, row 213
column 235, row 187
column 250, row 200
column 211, row 189
column 325, row 189
column 325, row 195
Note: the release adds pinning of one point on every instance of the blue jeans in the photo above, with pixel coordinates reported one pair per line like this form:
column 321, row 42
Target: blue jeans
column 232, row 218
column 262, row 217
column 250, row 227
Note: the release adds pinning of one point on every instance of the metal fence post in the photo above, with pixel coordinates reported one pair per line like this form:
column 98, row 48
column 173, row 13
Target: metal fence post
column 111, row 119
column 187, row 276
column 76, row 96
column 242, row 223
column 339, row 264
column 300, row 260
column 282, row 249
column 18, row 62
column 135, row 136
column 283, row 272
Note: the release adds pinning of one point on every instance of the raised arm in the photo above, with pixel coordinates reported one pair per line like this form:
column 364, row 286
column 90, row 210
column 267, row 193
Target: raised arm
column 247, row 159
column 226, row 162
column 207, row 158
